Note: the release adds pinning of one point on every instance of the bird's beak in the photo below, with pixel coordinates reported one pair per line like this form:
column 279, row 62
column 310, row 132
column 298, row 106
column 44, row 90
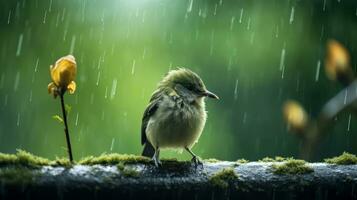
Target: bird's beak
column 210, row 95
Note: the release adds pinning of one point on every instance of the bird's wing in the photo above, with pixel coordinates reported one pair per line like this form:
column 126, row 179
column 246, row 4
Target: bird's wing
column 150, row 111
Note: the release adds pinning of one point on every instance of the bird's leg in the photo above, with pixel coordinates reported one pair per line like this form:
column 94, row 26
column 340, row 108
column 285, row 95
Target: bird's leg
column 195, row 159
column 156, row 157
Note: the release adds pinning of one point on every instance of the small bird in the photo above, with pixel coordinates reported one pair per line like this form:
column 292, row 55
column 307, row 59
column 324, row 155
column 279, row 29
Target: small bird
column 176, row 114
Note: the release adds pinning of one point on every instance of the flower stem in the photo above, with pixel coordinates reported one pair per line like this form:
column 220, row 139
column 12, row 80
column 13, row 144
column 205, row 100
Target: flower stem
column 69, row 148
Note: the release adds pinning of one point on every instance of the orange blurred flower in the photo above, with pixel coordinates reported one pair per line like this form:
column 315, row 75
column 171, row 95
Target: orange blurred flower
column 295, row 115
column 337, row 60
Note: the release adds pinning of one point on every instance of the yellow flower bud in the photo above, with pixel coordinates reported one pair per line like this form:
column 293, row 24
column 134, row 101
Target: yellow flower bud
column 337, row 60
column 63, row 74
column 295, row 115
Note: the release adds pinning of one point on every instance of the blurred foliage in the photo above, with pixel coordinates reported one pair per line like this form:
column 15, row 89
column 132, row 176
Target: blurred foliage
column 253, row 54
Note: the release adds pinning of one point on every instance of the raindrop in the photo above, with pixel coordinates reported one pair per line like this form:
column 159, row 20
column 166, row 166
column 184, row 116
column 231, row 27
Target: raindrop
column 201, row 13
column 106, row 93
column 292, row 15
column 9, row 17
column 248, row 25
column 98, row 77
column 277, row 32
column 57, row 19
column 230, row 63
column 133, row 67
column 17, row 81
column 63, row 14
column 36, row 66
column 83, row 10
column 189, row 7
column 103, row 58
column 232, row 22
column 144, row 53
column 215, row 10
column 241, row 15
column 114, row 88
column 30, row 99
column 349, row 122
column 317, row 75
column 73, row 43
column 103, row 15
column 220, row 2
column 236, row 90
column 50, row 6
column 324, row 6
column 65, row 34
column 17, row 10
column 19, row 44
column 112, row 145
column 244, row 117
column 44, row 17
column 18, row 120
column 282, row 72
column 76, row 122
column 345, row 100
column 99, row 62
column 282, row 59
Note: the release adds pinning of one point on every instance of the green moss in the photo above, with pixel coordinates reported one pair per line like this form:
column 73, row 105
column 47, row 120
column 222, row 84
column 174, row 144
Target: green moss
column 222, row 178
column 16, row 175
column 276, row 159
column 6, row 159
column 344, row 159
column 242, row 161
column 127, row 171
column 120, row 166
column 24, row 158
column 292, row 166
column 64, row 162
column 27, row 159
column 113, row 159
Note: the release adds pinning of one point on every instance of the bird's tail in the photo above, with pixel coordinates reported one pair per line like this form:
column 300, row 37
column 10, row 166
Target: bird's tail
column 149, row 150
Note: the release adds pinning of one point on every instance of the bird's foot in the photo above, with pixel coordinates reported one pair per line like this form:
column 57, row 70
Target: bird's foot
column 157, row 161
column 196, row 161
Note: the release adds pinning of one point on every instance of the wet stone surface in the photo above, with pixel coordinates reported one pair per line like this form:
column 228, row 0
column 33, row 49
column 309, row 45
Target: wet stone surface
column 177, row 180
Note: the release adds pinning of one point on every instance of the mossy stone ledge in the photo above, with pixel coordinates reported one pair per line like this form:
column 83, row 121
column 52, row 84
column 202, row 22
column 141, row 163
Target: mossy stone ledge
column 113, row 176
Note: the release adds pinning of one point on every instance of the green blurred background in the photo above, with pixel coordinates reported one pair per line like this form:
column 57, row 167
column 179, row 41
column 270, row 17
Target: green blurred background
column 254, row 54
